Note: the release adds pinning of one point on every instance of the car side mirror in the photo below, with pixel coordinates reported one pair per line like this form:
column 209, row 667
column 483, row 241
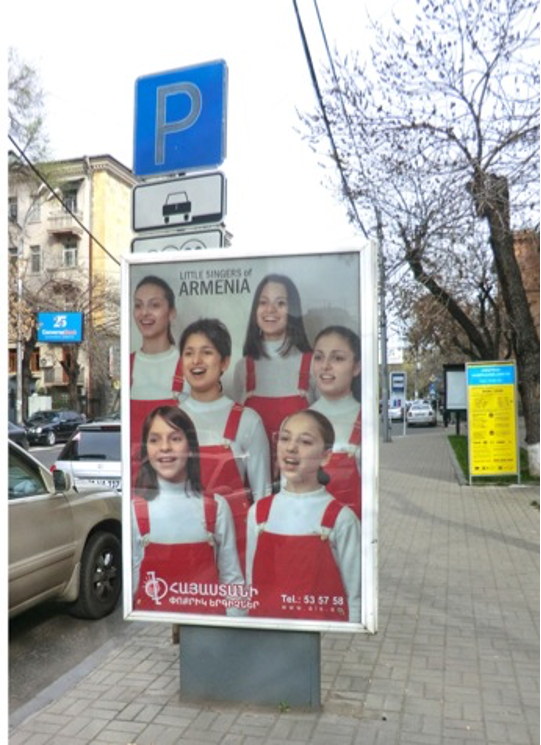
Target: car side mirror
column 62, row 480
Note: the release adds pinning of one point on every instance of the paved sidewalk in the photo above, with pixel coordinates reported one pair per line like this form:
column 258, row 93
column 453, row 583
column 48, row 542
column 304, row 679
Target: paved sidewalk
column 455, row 660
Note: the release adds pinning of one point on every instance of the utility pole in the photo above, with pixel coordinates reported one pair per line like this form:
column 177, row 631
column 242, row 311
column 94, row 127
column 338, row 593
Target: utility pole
column 20, row 349
column 383, row 335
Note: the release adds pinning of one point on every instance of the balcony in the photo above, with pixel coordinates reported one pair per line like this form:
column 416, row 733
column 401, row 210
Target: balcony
column 62, row 223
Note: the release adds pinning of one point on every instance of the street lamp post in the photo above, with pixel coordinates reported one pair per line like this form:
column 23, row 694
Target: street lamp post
column 20, row 348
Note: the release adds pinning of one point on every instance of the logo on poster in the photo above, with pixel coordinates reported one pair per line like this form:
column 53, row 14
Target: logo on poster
column 155, row 588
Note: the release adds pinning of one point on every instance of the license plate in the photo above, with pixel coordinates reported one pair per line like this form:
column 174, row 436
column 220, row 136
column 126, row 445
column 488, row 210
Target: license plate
column 108, row 483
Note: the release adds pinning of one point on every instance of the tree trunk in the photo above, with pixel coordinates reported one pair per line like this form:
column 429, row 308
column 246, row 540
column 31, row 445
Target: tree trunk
column 29, row 346
column 72, row 370
column 491, row 195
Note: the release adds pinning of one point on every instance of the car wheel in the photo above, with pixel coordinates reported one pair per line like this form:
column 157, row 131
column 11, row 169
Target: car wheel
column 51, row 438
column 101, row 577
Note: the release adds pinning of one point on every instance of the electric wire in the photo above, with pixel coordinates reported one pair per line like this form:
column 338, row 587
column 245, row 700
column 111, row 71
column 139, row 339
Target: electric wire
column 42, row 178
column 328, row 127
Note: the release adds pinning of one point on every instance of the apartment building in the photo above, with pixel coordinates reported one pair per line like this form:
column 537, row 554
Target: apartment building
column 66, row 237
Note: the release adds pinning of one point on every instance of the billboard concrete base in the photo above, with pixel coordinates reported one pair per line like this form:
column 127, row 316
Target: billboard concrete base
column 274, row 668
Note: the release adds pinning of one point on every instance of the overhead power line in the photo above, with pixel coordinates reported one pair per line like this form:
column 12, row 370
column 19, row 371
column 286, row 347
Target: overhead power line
column 330, row 135
column 42, row 178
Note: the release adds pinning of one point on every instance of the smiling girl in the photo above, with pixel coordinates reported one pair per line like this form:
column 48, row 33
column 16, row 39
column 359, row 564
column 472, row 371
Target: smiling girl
column 336, row 366
column 273, row 377
column 156, row 368
column 181, row 540
column 234, row 448
column 303, row 547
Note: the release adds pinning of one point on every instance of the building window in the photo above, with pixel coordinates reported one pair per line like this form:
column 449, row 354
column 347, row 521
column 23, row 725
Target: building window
column 69, row 258
column 34, row 213
column 69, row 197
column 12, row 208
column 34, row 361
column 35, row 259
column 12, row 361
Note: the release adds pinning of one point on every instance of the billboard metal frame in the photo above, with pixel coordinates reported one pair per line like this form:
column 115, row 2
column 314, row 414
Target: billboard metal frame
column 364, row 257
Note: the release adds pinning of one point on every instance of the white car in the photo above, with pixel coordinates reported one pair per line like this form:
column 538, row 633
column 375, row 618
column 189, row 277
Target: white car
column 421, row 412
column 92, row 456
column 396, row 412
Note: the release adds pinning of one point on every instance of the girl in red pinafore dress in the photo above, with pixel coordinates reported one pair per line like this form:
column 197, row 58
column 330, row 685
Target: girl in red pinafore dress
column 273, row 377
column 336, row 366
column 303, row 557
column 235, row 460
column 183, row 542
column 155, row 369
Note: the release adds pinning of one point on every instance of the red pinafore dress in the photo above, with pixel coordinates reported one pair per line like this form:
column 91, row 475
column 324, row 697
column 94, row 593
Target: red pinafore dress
column 345, row 483
column 167, row 568
column 139, row 410
column 220, row 475
column 297, row 576
column 273, row 411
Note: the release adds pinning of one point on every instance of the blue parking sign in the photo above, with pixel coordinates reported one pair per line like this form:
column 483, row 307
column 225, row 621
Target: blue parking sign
column 180, row 119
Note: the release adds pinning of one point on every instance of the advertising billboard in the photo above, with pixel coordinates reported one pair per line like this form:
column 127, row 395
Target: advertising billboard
column 455, row 387
column 492, row 414
column 249, row 442
column 62, row 327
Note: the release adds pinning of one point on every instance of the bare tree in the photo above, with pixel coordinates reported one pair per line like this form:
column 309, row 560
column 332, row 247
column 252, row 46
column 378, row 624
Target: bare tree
column 26, row 107
column 439, row 130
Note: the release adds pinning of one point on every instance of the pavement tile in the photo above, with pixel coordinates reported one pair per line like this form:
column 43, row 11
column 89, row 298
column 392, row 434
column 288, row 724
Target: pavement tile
column 455, row 661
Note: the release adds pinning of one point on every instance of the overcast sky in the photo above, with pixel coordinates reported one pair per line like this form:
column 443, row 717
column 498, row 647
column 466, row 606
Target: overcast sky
column 90, row 54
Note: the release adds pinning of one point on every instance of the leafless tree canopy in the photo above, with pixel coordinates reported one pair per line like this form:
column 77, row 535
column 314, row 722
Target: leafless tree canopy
column 437, row 130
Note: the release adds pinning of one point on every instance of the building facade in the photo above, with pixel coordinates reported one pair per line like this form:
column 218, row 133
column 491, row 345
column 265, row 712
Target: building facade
column 66, row 237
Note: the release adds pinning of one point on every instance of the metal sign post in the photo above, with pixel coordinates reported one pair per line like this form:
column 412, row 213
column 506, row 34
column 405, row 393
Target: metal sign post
column 233, row 635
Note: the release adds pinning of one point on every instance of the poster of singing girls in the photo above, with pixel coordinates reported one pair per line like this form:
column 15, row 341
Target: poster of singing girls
column 249, row 428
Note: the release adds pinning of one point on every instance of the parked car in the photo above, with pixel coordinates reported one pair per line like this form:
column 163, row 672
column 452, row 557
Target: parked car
column 62, row 546
column 92, row 456
column 50, row 427
column 421, row 412
column 17, row 434
column 396, row 412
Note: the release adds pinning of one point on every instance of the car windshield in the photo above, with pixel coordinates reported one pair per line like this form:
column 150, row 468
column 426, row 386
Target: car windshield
column 44, row 416
column 93, row 445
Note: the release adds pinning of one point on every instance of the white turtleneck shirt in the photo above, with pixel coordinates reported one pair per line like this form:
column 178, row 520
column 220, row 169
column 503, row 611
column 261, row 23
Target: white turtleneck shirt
column 152, row 376
column 275, row 376
column 250, row 446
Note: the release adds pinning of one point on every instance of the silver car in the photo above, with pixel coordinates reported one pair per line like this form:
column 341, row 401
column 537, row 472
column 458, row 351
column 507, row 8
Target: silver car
column 62, row 545
column 421, row 412
column 92, row 456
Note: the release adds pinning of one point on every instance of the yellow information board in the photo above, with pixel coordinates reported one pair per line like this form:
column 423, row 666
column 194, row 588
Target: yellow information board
column 492, row 419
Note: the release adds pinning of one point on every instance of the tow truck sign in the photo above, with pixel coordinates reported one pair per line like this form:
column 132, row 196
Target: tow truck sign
column 180, row 202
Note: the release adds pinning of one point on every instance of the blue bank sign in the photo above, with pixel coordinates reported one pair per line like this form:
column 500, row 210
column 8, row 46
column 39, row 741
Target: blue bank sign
column 180, row 119
column 62, row 328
